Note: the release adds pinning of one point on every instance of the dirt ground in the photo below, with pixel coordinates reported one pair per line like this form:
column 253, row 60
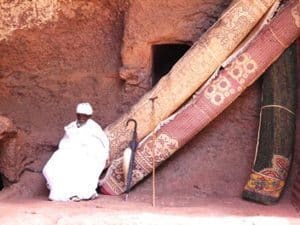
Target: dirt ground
column 177, row 210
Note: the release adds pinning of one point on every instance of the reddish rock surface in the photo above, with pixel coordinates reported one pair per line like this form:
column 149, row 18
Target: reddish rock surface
column 64, row 52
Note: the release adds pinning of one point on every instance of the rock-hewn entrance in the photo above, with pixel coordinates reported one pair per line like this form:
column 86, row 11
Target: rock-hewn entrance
column 164, row 57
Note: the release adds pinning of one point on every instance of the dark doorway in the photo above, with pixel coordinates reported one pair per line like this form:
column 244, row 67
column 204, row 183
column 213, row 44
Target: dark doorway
column 164, row 57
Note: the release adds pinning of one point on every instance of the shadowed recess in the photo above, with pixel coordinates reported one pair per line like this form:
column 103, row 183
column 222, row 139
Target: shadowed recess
column 164, row 57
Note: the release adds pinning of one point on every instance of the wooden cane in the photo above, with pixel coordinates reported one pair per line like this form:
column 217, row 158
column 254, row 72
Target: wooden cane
column 153, row 177
column 153, row 152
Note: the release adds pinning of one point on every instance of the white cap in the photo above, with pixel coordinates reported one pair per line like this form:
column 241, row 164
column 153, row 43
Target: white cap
column 84, row 108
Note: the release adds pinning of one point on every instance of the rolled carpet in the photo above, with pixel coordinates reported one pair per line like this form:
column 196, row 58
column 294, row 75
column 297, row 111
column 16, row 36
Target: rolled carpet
column 188, row 74
column 276, row 134
column 296, row 186
column 210, row 100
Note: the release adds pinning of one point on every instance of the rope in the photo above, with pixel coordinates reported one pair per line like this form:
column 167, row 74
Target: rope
column 278, row 106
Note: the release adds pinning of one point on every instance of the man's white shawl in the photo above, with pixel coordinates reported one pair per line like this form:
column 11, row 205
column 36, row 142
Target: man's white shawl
column 74, row 169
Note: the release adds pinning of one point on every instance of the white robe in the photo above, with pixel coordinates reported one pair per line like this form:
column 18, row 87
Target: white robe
column 74, row 169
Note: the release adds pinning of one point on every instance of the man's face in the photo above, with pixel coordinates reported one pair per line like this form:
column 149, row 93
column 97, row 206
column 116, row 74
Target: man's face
column 82, row 118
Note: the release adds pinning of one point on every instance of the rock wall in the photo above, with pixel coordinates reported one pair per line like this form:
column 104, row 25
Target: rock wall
column 176, row 22
column 10, row 166
column 15, row 15
column 54, row 54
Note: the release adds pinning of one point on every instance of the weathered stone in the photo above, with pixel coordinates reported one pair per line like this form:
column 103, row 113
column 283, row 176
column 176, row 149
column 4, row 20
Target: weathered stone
column 9, row 150
column 7, row 128
column 53, row 56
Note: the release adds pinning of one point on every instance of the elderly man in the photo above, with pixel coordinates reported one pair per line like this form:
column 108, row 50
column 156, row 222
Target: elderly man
column 73, row 170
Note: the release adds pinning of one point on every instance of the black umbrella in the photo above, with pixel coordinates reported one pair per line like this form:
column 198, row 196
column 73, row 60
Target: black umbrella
column 129, row 156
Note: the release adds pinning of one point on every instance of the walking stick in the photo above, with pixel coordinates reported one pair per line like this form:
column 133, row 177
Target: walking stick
column 153, row 154
column 129, row 155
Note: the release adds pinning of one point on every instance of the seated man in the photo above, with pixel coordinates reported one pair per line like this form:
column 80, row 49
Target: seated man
column 73, row 170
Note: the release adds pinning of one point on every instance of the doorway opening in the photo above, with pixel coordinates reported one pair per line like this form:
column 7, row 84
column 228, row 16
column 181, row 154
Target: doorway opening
column 164, row 58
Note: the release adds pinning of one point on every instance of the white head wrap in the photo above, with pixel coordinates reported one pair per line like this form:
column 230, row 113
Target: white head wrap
column 84, row 108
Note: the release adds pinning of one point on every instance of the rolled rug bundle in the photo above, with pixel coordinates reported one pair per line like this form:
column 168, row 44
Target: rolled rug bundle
column 189, row 73
column 296, row 191
column 276, row 134
column 210, row 100
column 296, row 186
